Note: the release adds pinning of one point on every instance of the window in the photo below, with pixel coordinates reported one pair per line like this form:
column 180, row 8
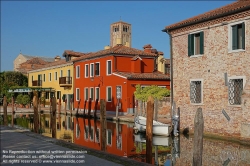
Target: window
column 55, row 75
column 86, row 132
column 77, row 131
column 238, row 36
column 46, row 95
column 108, row 67
column 97, row 135
column 235, row 89
column 91, row 134
column 196, row 44
column 77, row 71
column 109, row 137
column 86, row 70
column 97, row 69
column 32, row 78
column 109, row 99
column 58, row 94
column 92, row 93
column 43, row 77
column 97, row 93
column 196, row 91
column 61, row 73
column 49, row 76
column 86, row 94
column 77, row 94
column 92, row 70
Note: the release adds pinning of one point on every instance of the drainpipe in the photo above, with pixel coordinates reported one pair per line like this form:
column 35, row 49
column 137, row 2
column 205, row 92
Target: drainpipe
column 171, row 70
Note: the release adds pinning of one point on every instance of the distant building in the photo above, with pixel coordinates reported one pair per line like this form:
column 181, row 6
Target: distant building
column 120, row 33
column 24, row 58
column 211, row 69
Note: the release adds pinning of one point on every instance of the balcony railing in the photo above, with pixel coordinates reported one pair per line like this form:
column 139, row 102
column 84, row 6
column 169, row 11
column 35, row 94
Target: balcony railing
column 65, row 81
column 37, row 83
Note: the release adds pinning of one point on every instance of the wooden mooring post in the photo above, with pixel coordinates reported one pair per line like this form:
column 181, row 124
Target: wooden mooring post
column 149, row 129
column 36, row 118
column 198, row 138
column 5, row 117
column 96, row 103
column 78, row 107
column 12, row 115
column 53, row 117
column 85, row 103
column 65, row 108
column 103, row 124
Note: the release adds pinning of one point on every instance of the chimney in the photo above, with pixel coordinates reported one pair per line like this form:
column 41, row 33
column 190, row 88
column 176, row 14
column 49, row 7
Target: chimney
column 118, row 41
column 127, row 44
column 147, row 48
column 106, row 47
column 57, row 58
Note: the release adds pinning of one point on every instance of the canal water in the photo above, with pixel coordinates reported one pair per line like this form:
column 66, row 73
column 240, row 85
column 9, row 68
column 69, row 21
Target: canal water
column 121, row 141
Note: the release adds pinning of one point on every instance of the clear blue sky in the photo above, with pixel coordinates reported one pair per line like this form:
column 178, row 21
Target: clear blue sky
column 46, row 28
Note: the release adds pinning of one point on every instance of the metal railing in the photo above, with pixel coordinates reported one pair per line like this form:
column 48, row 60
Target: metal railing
column 65, row 80
column 37, row 83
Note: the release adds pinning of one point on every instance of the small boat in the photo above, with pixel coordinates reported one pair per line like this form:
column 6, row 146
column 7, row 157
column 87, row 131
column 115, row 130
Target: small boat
column 158, row 127
column 157, row 140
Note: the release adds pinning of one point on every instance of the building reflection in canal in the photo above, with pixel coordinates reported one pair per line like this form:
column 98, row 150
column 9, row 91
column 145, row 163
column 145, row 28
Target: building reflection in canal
column 121, row 141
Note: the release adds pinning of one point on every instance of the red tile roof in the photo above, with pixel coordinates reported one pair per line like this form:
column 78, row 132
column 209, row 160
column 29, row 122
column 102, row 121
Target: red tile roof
column 232, row 8
column 143, row 76
column 35, row 61
column 118, row 49
column 73, row 53
column 55, row 63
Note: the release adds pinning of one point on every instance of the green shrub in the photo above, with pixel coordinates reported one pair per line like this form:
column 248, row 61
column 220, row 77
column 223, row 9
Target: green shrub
column 19, row 99
column 26, row 99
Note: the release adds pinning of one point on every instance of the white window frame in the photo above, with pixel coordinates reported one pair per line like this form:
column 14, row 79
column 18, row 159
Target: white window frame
column 230, row 33
column 77, row 94
column 108, row 130
column 107, row 68
column 78, row 71
column 99, row 69
column 244, row 83
column 86, row 71
column 50, row 77
column 107, row 93
column 191, row 80
column 92, row 70
column 96, row 94
column 90, row 94
column 55, row 76
column 86, row 89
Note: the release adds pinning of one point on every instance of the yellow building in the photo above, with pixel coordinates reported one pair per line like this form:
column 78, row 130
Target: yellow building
column 53, row 80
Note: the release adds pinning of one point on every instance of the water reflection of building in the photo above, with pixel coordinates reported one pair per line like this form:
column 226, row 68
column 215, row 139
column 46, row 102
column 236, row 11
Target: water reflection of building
column 119, row 139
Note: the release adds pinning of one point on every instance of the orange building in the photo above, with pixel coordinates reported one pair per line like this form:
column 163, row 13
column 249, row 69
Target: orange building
column 113, row 73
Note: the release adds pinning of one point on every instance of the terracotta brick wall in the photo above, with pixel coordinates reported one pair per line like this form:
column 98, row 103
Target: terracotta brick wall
column 210, row 67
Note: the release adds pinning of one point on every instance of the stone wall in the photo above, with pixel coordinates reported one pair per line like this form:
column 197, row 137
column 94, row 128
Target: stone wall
column 210, row 67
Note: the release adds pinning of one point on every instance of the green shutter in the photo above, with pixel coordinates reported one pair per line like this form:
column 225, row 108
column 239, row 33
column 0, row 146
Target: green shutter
column 202, row 43
column 243, row 35
column 234, row 37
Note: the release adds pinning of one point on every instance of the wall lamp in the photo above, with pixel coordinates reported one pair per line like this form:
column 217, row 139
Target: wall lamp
column 99, row 77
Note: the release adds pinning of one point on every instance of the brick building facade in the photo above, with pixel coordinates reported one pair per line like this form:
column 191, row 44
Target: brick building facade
column 211, row 69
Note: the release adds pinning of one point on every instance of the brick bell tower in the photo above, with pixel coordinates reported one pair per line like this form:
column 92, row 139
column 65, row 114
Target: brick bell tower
column 120, row 33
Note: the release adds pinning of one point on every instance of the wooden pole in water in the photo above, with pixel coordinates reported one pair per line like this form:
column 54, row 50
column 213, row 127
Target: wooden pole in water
column 85, row 103
column 103, row 124
column 5, row 117
column 36, row 119
column 198, row 138
column 53, row 117
column 65, row 108
column 149, row 129
column 89, row 110
column 12, row 116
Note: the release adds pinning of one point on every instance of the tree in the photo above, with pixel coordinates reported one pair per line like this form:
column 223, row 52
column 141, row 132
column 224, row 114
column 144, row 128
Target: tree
column 153, row 90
